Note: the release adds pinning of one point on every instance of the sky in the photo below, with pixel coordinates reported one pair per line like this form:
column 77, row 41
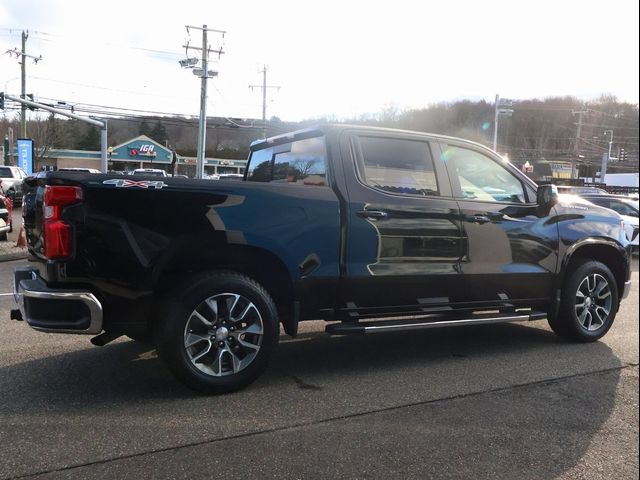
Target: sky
column 332, row 58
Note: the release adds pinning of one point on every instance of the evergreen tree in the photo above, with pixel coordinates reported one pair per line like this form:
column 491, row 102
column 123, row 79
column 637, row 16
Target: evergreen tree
column 159, row 133
column 144, row 128
column 90, row 140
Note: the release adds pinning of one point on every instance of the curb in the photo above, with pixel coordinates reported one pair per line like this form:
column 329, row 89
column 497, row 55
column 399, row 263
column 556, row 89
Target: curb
column 5, row 257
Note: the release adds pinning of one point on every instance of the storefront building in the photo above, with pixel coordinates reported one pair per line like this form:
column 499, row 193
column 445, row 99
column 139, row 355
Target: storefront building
column 139, row 152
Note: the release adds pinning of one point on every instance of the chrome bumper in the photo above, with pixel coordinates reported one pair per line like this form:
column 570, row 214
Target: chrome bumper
column 53, row 310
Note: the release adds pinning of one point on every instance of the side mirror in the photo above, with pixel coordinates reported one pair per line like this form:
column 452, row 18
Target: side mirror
column 547, row 196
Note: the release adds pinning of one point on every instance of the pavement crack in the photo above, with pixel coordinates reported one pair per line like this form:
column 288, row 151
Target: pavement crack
column 326, row 420
column 302, row 385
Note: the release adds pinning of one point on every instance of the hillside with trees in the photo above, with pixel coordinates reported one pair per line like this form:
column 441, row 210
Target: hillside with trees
column 537, row 130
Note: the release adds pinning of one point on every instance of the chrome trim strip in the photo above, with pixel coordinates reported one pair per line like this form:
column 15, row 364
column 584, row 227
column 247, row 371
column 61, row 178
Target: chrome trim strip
column 444, row 323
column 88, row 298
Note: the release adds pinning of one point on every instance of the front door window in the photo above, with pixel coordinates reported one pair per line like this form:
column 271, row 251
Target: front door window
column 482, row 178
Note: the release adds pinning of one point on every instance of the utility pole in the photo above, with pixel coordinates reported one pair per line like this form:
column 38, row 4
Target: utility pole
column 575, row 145
column 23, row 88
column 204, row 73
column 264, row 87
column 23, row 55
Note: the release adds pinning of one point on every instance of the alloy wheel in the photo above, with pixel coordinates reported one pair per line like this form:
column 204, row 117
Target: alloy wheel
column 223, row 334
column 593, row 302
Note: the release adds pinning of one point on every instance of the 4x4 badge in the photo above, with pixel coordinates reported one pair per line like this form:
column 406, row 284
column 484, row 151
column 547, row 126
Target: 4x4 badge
column 123, row 183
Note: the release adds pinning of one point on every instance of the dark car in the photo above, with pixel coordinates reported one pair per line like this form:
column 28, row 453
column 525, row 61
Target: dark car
column 372, row 230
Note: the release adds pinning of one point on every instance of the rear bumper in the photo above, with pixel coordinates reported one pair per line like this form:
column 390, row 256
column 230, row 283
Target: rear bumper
column 55, row 310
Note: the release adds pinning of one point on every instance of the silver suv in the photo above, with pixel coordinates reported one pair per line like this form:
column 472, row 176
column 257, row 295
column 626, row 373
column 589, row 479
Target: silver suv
column 11, row 178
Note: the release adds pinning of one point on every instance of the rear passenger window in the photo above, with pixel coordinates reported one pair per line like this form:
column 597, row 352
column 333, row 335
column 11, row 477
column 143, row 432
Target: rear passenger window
column 397, row 165
column 300, row 163
column 259, row 168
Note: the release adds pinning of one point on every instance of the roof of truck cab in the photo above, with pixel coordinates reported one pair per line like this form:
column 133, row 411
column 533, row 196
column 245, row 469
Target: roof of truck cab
column 318, row 130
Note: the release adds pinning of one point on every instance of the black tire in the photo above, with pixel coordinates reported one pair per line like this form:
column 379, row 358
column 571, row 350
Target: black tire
column 226, row 315
column 589, row 303
column 3, row 237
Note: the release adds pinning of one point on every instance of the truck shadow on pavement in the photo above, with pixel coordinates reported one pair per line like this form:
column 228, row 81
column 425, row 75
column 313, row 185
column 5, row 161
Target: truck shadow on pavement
column 465, row 379
column 126, row 369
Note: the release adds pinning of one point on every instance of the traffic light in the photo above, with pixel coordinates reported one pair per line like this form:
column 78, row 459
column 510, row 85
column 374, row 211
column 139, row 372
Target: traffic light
column 1, row 100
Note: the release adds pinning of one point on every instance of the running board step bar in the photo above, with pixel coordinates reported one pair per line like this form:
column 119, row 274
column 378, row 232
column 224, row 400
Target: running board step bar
column 345, row 328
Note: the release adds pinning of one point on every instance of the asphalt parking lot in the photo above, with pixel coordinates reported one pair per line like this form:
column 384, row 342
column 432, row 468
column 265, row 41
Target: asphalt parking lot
column 499, row 401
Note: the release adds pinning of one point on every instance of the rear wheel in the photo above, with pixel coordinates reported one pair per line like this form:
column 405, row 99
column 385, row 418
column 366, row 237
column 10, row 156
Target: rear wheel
column 589, row 303
column 219, row 332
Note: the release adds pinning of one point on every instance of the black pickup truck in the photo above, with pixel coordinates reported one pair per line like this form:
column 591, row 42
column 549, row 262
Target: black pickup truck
column 372, row 230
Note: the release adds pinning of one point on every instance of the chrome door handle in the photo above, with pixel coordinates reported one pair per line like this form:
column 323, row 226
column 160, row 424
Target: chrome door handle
column 372, row 214
column 477, row 219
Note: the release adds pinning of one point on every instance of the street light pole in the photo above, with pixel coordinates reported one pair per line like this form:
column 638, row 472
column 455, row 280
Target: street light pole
column 98, row 123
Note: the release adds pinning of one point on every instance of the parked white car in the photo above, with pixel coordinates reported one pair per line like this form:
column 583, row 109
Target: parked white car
column 154, row 172
column 79, row 169
column 627, row 208
column 12, row 182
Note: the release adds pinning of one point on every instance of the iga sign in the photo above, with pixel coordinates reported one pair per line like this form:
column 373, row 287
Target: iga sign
column 146, row 150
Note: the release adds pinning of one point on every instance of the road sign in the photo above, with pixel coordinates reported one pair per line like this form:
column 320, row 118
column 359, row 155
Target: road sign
column 25, row 155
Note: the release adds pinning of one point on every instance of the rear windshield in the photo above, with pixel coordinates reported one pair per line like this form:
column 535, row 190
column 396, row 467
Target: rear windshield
column 5, row 172
column 302, row 162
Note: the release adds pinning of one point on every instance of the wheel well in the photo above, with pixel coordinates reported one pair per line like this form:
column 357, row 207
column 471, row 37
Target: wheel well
column 606, row 254
column 261, row 265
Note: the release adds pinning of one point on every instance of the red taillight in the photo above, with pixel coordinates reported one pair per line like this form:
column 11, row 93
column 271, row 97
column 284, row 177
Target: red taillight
column 57, row 233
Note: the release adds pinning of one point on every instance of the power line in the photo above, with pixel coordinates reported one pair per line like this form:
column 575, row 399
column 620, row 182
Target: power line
column 97, row 87
column 173, row 54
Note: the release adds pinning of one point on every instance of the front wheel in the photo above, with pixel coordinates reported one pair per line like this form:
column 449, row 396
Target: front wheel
column 218, row 332
column 589, row 303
